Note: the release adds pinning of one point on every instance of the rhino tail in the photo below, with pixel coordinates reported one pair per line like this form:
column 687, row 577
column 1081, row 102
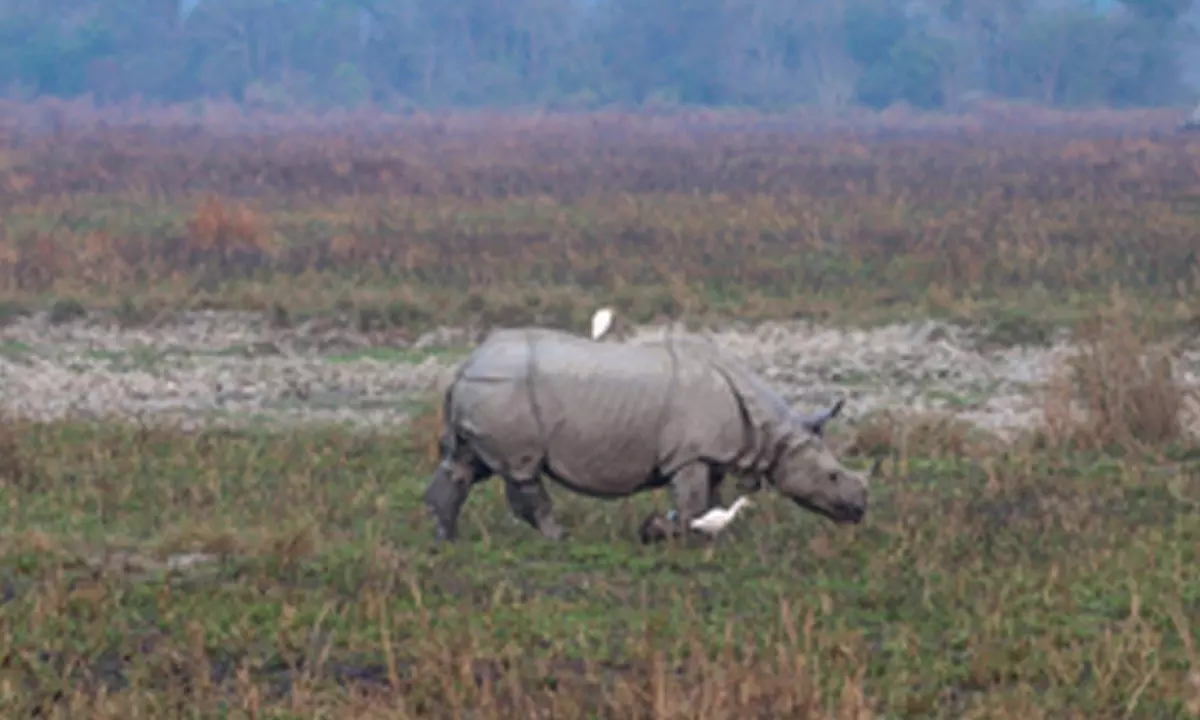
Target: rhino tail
column 448, row 442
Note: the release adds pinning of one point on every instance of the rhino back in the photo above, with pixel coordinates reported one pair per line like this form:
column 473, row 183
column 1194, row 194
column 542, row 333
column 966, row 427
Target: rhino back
column 603, row 406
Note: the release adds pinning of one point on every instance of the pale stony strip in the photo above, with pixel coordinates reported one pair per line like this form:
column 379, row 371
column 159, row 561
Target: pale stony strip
column 235, row 369
column 911, row 369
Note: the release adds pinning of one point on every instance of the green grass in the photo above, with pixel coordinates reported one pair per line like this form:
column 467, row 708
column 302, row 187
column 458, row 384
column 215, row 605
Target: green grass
column 1048, row 580
column 958, row 401
column 397, row 355
column 142, row 357
column 148, row 358
column 15, row 351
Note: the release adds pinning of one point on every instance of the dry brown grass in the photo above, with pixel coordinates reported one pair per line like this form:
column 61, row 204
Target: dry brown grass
column 1121, row 390
column 426, row 428
column 936, row 436
column 540, row 218
column 225, row 238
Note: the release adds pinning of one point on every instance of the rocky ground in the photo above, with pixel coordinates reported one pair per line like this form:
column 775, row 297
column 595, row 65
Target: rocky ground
column 235, row 369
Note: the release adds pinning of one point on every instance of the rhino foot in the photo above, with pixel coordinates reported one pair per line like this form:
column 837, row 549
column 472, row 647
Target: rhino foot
column 552, row 531
column 443, row 532
column 656, row 529
column 445, row 496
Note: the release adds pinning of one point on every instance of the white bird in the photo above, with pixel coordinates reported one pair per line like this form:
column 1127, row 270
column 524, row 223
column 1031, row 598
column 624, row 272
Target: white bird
column 601, row 322
column 715, row 520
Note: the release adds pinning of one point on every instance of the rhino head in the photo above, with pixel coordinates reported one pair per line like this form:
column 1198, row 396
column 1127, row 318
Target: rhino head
column 807, row 472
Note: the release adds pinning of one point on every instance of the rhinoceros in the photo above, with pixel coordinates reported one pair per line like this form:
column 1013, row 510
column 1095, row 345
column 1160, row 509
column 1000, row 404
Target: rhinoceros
column 609, row 420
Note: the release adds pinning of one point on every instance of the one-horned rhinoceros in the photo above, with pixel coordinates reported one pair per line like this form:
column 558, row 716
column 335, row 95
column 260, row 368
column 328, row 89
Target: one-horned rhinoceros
column 610, row 420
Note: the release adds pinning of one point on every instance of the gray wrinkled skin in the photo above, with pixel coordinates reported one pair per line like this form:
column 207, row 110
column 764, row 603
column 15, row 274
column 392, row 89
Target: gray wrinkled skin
column 610, row 420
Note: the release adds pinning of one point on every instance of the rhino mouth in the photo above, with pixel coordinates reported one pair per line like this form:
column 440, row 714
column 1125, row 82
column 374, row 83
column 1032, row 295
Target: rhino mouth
column 840, row 513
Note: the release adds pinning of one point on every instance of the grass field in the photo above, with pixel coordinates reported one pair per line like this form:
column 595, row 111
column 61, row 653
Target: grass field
column 505, row 220
column 151, row 572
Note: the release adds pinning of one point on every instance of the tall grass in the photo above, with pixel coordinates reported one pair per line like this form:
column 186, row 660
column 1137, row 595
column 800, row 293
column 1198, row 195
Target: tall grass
column 539, row 220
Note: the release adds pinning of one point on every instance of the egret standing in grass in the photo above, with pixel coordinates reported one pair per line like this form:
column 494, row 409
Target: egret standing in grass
column 715, row 520
column 601, row 322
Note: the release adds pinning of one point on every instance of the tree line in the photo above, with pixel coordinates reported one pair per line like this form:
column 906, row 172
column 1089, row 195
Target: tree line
column 583, row 54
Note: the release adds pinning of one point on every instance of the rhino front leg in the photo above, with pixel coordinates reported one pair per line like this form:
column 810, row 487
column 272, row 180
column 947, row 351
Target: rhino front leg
column 693, row 488
column 716, row 479
column 530, row 501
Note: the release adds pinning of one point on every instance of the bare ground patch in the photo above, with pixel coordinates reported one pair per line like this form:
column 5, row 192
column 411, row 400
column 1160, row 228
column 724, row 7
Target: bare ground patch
column 233, row 369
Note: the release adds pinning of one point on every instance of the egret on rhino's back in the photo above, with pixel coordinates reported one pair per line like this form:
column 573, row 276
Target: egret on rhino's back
column 601, row 322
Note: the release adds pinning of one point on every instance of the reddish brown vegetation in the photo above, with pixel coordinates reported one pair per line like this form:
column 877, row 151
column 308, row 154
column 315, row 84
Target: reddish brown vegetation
column 692, row 217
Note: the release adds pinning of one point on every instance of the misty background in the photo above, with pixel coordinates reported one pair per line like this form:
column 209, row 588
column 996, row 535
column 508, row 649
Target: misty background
column 583, row 54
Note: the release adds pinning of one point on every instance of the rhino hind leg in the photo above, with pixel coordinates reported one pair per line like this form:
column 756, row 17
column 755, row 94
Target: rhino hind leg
column 530, row 502
column 448, row 491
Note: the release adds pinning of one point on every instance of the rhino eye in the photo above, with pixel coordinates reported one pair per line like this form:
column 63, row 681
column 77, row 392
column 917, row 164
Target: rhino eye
column 833, row 477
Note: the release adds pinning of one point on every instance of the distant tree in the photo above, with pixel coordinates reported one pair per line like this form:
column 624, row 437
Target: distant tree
column 663, row 48
column 1059, row 57
column 829, row 66
column 911, row 72
column 582, row 53
column 902, row 61
column 1166, row 10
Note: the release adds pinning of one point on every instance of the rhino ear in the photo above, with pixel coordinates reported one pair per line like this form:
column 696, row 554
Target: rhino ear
column 816, row 423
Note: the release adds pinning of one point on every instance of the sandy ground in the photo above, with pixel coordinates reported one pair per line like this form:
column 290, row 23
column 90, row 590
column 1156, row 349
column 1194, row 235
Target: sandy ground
column 234, row 369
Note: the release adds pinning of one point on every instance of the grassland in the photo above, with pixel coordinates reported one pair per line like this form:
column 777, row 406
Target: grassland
column 1052, row 577
column 517, row 219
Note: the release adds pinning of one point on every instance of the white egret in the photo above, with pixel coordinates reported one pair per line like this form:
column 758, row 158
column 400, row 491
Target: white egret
column 601, row 322
column 715, row 520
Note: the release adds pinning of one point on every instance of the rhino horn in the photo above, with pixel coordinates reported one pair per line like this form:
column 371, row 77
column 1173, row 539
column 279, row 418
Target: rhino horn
column 816, row 423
